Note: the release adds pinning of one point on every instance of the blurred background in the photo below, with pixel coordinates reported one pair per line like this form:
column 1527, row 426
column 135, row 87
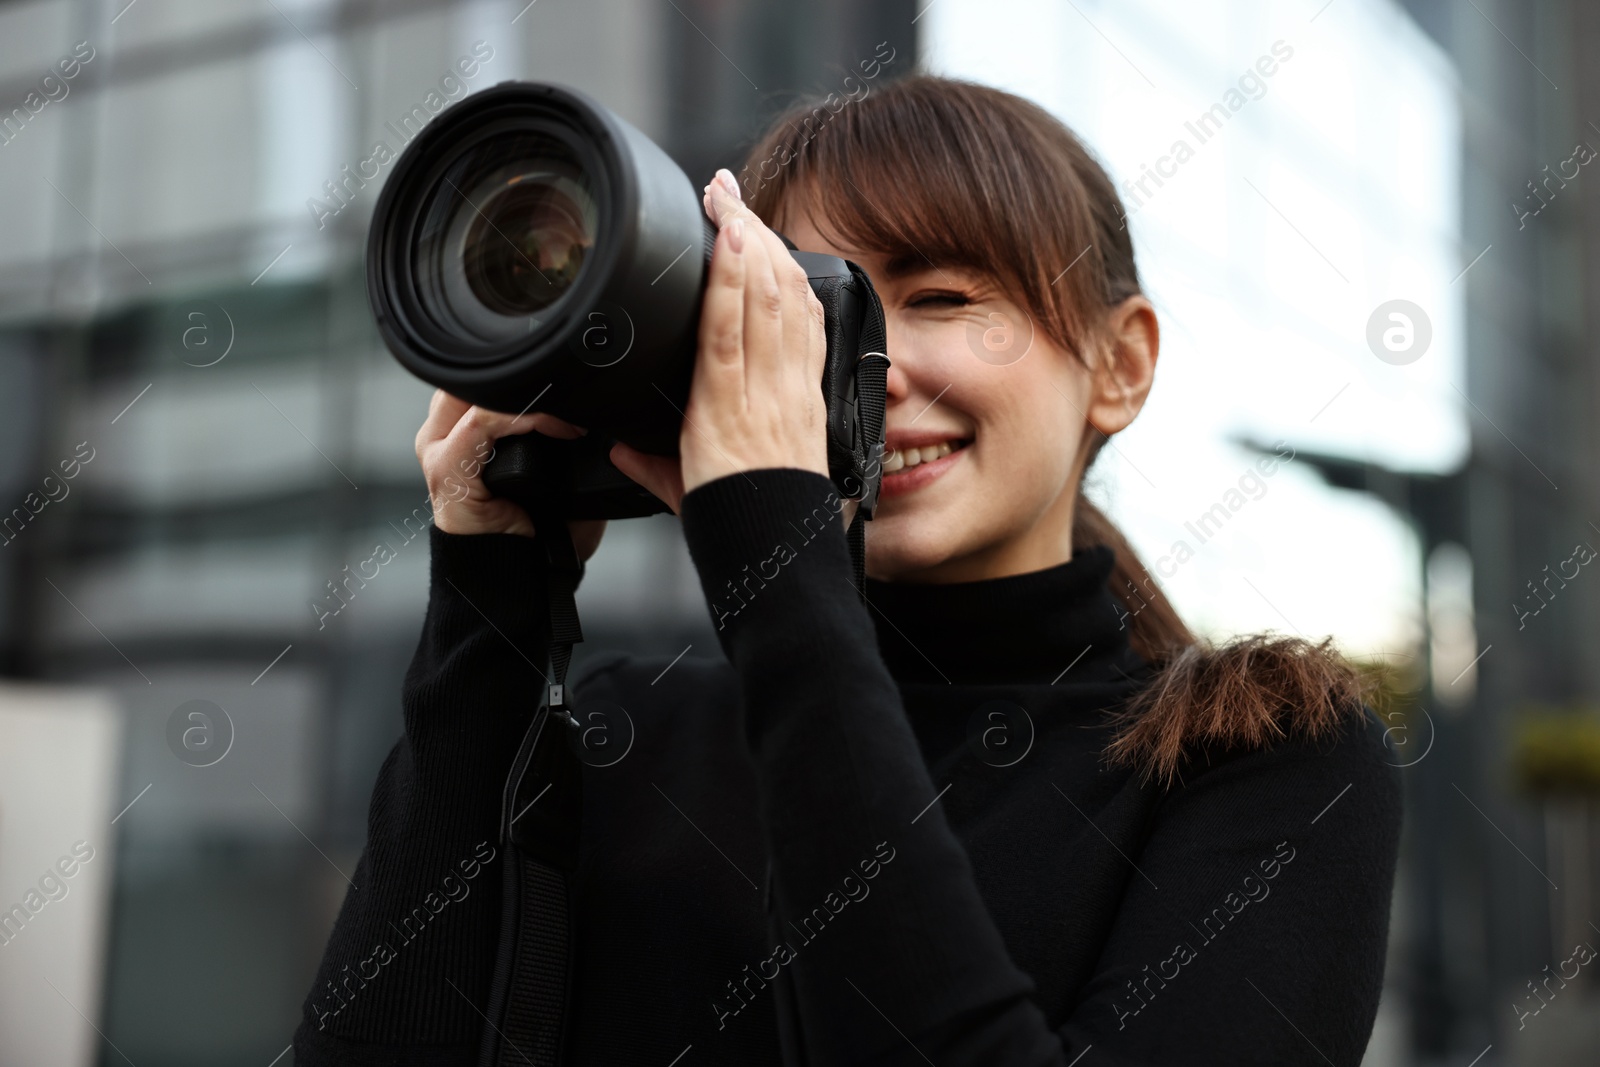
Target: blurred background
column 1369, row 227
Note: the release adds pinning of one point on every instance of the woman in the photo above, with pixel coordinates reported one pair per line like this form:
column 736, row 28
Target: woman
column 1007, row 811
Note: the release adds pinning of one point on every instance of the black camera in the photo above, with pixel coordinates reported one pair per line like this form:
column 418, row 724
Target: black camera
column 532, row 251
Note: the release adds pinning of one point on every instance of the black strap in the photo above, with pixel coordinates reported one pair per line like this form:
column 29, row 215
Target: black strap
column 566, row 571
column 856, row 536
column 872, row 401
column 872, row 371
column 541, row 817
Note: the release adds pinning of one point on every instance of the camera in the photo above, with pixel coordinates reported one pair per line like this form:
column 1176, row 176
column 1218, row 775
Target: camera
column 532, row 251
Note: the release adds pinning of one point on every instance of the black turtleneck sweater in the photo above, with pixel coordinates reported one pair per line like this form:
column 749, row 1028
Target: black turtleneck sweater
column 958, row 875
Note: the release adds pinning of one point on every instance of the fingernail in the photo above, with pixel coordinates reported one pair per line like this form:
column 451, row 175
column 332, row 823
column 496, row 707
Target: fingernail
column 736, row 235
column 730, row 183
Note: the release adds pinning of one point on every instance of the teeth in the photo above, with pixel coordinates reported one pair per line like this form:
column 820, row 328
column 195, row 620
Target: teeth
column 912, row 457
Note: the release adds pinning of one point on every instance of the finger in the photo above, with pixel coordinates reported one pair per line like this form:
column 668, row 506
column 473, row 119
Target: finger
column 722, row 315
column 550, row 426
column 724, row 205
column 722, row 195
column 765, row 304
column 722, row 199
column 817, row 320
column 661, row 475
column 733, row 206
column 801, row 335
column 470, row 442
column 777, row 295
column 444, row 411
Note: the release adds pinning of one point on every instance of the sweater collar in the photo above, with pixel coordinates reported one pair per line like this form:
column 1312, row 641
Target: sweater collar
column 1062, row 622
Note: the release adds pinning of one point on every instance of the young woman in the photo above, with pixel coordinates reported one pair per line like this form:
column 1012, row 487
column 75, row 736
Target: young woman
column 1006, row 811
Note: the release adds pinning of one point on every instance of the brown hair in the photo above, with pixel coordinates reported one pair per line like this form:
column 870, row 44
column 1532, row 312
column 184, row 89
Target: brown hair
column 986, row 180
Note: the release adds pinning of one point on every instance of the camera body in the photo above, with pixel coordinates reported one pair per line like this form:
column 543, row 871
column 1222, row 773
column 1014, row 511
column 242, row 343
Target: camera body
column 534, row 251
column 578, row 480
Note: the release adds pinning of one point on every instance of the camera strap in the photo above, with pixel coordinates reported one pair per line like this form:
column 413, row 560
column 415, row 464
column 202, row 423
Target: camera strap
column 541, row 816
column 872, row 400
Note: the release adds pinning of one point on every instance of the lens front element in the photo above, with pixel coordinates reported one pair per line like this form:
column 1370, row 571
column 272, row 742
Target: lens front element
column 504, row 237
column 525, row 246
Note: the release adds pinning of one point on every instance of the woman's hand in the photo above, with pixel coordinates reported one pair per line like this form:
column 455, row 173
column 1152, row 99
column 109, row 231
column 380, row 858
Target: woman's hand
column 756, row 399
column 455, row 442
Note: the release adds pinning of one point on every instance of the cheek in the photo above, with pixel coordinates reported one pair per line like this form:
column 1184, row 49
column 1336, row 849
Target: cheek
column 1028, row 429
column 1017, row 466
column 1023, row 459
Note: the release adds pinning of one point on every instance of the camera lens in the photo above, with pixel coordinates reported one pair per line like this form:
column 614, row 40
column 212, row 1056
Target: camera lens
column 526, row 245
column 531, row 247
column 505, row 236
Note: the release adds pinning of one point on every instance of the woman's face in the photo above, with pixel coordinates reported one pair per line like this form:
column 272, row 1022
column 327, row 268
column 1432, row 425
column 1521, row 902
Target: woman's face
column 985, row 426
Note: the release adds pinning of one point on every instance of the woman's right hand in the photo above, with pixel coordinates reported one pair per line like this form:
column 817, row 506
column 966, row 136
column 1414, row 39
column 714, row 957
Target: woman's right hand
column 455, row 442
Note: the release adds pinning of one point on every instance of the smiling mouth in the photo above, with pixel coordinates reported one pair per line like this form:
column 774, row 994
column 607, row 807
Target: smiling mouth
column 906, row 459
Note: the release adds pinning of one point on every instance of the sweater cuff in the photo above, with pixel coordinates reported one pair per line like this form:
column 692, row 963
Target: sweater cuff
column 481, row 658
column 498, row 578
column 766, row 543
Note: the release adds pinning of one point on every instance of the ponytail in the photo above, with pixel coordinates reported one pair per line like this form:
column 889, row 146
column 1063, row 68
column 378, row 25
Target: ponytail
column 1248, row 692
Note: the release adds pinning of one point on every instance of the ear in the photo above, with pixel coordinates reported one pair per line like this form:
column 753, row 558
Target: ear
column 1127, row 367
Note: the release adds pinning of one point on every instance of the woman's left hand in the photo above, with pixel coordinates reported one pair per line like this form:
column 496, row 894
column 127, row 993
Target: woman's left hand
column 756, row 399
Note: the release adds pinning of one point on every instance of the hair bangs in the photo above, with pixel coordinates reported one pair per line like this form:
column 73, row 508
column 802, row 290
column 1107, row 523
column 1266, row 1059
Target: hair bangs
column 949, row 174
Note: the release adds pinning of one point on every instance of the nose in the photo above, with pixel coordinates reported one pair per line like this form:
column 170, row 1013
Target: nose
column 898, row 384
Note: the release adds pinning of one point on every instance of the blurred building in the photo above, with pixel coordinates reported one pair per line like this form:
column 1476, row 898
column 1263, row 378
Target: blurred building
column 183, row 321
column 1502, row 878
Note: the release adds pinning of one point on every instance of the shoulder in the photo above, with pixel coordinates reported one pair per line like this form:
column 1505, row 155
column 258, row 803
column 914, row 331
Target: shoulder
column 1330, row 778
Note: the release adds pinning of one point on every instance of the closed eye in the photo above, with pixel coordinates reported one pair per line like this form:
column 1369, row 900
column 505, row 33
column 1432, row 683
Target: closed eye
column 941, row 298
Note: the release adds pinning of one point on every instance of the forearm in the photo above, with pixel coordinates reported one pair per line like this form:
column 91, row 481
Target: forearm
column 903, row 933
column 412, row 953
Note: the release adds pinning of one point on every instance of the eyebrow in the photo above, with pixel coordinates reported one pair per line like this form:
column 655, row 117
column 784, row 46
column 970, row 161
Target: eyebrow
column 904, row 264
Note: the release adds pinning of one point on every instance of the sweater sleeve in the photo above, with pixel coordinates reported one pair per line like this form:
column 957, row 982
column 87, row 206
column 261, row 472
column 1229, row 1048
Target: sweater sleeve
column 919, row 972
column 407, row 969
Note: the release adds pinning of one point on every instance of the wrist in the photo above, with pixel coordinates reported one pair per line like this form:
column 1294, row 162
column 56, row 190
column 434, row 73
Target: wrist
column 503, row 517
column 766, row 540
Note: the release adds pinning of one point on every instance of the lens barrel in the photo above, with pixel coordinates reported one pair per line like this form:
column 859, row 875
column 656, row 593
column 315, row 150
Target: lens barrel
column 532, row 250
